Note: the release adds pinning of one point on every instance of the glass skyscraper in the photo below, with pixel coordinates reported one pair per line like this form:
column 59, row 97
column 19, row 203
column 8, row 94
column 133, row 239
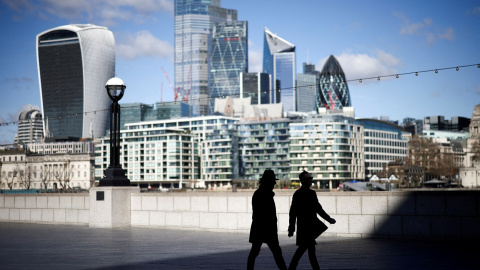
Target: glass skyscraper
column 279, row 61
column 228, row 59
column 74, row 63
column 256, row 86
column 138, row 112
column 307, row 88
column 194, row 20
column 333, row 93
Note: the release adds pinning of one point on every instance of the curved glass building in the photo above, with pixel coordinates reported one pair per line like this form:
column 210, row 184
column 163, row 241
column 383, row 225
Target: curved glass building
column 333, row 93
column 74, row 63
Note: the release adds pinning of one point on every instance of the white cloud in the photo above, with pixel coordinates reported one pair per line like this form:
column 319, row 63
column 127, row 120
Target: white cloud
column 255, row 58
column 435, row 94
column 17, row 83
column 254, row 61
column 18, row 5
column 359, row 66
column 425, row 29
column 478, row 90
column 103, row 12
column 415, row 28
column 13, row 117
column 144, row 44
column 476, row 11
column 448, row 34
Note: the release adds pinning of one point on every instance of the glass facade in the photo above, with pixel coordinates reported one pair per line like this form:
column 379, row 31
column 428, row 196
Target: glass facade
column 284, row 71
column 228, row 59
column 194, row 20
column 138, row 112
column 279, row 61
column 68, row 89
column 165, row 153
column 263, row 145
column 334, row 93
column 306, row 92
column 329, row 147
column 383, row 144
column 256, row 86
column 220, row 156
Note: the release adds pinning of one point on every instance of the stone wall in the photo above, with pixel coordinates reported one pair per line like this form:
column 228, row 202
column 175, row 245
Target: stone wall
column 68, row 208
column 452, row 213
column 358, row 214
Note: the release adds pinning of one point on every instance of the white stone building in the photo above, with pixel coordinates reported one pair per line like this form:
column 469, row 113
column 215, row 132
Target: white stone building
column 22, row 170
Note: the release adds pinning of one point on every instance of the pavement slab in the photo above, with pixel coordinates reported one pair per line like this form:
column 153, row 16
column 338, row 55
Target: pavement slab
column 46, row 246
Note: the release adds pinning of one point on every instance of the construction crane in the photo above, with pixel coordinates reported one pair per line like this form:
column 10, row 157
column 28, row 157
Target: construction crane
column 175, row 92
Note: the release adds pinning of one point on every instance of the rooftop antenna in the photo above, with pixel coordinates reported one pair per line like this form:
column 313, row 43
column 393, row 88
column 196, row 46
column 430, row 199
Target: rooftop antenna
column 308, row 62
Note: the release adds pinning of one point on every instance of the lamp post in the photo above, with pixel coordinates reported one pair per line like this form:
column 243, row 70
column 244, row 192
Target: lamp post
column 114, row 174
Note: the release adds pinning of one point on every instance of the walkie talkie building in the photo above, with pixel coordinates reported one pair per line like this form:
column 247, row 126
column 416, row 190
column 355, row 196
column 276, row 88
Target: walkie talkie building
column 74, row 63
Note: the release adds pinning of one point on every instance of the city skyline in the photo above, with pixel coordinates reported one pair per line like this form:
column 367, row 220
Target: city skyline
column 431, row 35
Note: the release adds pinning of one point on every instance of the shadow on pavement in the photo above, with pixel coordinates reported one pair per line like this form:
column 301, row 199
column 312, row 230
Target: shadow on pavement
column 335, row 253
column 36, row 246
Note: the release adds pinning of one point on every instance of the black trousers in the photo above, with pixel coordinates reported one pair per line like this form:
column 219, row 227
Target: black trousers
column 276, row 251
column 299, row 253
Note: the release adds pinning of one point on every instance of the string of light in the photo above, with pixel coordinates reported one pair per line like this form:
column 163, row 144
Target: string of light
column 360, row 80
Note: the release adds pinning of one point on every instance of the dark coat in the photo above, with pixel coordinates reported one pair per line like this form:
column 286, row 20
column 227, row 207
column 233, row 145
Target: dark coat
column 304, row 210
column 264, row 217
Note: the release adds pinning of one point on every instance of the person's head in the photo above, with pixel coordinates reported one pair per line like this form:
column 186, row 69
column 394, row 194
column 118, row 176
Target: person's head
column 305, row 178
column 268, row 179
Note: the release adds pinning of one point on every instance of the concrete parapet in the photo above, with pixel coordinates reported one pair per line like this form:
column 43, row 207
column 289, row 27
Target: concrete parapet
column 44, row 208
column 435, row 214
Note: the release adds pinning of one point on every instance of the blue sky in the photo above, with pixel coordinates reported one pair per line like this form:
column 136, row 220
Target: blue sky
column 369, row 38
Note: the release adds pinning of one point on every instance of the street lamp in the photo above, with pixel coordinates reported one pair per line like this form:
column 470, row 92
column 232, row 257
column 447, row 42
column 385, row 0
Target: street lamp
column 114, row 174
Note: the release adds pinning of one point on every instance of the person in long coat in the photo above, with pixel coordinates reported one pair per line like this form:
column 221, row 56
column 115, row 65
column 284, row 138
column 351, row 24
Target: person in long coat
column 264, row 222
column 304, row 210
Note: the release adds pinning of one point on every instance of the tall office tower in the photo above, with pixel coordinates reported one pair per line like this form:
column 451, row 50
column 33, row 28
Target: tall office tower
column 74, row 63
column 333, row 93
column 309, row 68
column 256, row 86
column 227, row 60
column 30, row 126
column 279, row 61
column 307, row 88
column 193, row 26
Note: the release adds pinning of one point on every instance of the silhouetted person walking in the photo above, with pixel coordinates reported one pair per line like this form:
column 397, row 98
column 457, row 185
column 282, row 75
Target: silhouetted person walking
column 264, row 222
column 304, row 210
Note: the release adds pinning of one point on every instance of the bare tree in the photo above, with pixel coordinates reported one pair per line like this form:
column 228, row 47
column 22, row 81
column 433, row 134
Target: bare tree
column 10, row 178
column 46, row 175
column 63, row 174
column 475, row 151
column 25, row 177
column 426, row 154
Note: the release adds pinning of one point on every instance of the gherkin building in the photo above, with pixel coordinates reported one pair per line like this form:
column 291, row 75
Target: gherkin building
column 333, row 92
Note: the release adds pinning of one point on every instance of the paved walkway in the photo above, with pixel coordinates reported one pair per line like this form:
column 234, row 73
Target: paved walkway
column 36, row 246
